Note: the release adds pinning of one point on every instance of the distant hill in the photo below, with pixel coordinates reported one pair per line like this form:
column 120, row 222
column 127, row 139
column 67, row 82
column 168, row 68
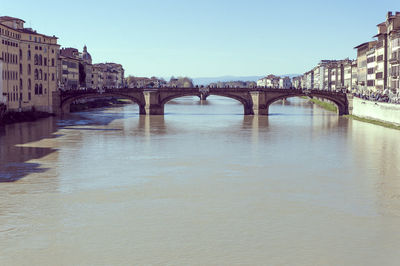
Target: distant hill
column 206, row 81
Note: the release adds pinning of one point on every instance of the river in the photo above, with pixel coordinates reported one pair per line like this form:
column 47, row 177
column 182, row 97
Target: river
column 202, row 185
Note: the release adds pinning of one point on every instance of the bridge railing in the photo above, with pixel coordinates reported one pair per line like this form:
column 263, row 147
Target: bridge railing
column 199, row 89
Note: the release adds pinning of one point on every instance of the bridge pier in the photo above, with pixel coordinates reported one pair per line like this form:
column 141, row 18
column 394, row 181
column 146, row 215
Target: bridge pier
column 203, row 96
column 260, row 106
column 153, row 104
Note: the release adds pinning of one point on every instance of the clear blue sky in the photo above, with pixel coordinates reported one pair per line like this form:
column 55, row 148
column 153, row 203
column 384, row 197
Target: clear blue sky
column 207, row 38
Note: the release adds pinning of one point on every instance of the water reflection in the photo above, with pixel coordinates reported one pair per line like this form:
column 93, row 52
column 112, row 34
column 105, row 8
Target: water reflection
column 16, row 157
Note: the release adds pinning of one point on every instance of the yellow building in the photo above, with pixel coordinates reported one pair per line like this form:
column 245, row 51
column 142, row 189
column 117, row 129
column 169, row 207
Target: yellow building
column 29, row 69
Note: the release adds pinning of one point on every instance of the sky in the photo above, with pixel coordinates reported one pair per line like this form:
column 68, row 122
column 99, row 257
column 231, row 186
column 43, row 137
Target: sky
column 207, row 38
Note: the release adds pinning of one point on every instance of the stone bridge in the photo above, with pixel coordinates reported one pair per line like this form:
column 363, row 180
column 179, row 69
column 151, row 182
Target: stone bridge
column 256, row 101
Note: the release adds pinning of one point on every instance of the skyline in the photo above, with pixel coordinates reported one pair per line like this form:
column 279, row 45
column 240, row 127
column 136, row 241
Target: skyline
column 169, row 38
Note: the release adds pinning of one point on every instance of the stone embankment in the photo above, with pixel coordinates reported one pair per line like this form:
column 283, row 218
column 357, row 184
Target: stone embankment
column 380, row 111
column 377, row 113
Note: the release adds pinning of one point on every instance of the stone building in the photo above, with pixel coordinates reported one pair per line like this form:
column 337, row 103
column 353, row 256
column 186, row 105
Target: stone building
column 29, row 74
column 112, row 75
column 69, row 69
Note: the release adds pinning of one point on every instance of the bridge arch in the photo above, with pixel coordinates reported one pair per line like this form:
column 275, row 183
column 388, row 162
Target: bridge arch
column 340, row 100
column 245, row 100
column 65, row 104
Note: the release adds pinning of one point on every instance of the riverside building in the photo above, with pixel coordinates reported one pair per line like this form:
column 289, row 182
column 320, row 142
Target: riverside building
column 393, row 41
column 29, row 66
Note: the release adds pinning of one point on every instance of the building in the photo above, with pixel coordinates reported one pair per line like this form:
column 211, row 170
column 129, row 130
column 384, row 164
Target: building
column 362, row 51
column 371, row 65
column 2, row 93
column 296, row 82
column 270, row 81
column 233, row 84
column 69, row 69
column 143, row 82
column 97, row 77
column 285, row 83
column 354, row 74
column 316, row 85
column 393, row 40
column 347, row 74
column 29, row 74
column 112, row 75
column 86, row 61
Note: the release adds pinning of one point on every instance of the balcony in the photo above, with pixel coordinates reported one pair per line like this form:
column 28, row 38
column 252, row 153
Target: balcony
column 395, row 58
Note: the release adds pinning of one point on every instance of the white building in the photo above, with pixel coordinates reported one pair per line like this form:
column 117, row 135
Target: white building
column 262, row 83
column 270, row 81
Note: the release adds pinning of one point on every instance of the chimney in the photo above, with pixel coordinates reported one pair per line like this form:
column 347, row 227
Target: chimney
column 389, row 14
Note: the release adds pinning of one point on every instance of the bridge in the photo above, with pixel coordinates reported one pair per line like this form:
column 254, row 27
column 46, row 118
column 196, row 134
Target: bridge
column 256, row 101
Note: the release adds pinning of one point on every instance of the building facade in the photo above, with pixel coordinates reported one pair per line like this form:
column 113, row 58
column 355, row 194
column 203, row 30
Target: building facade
column 29, row 74
column 68, row 66
column 393, row 40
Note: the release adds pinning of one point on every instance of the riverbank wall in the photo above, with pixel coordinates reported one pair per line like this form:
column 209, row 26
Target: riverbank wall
column 384, row 112
column 19, row 117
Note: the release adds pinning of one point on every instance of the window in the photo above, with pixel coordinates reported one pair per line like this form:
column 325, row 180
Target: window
column 380, row 58
column 40, row 60
column 370, row 71
column 36, row 61
column 379, row 75
column 36, row 74
column 36, row 89
column 29, row 54
column 40, row 89
column 52, row 62
column 20, row 69
column 29, row 69
column 45, row 61
column 371, row 59
column 370, row 83
column 52, row 76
